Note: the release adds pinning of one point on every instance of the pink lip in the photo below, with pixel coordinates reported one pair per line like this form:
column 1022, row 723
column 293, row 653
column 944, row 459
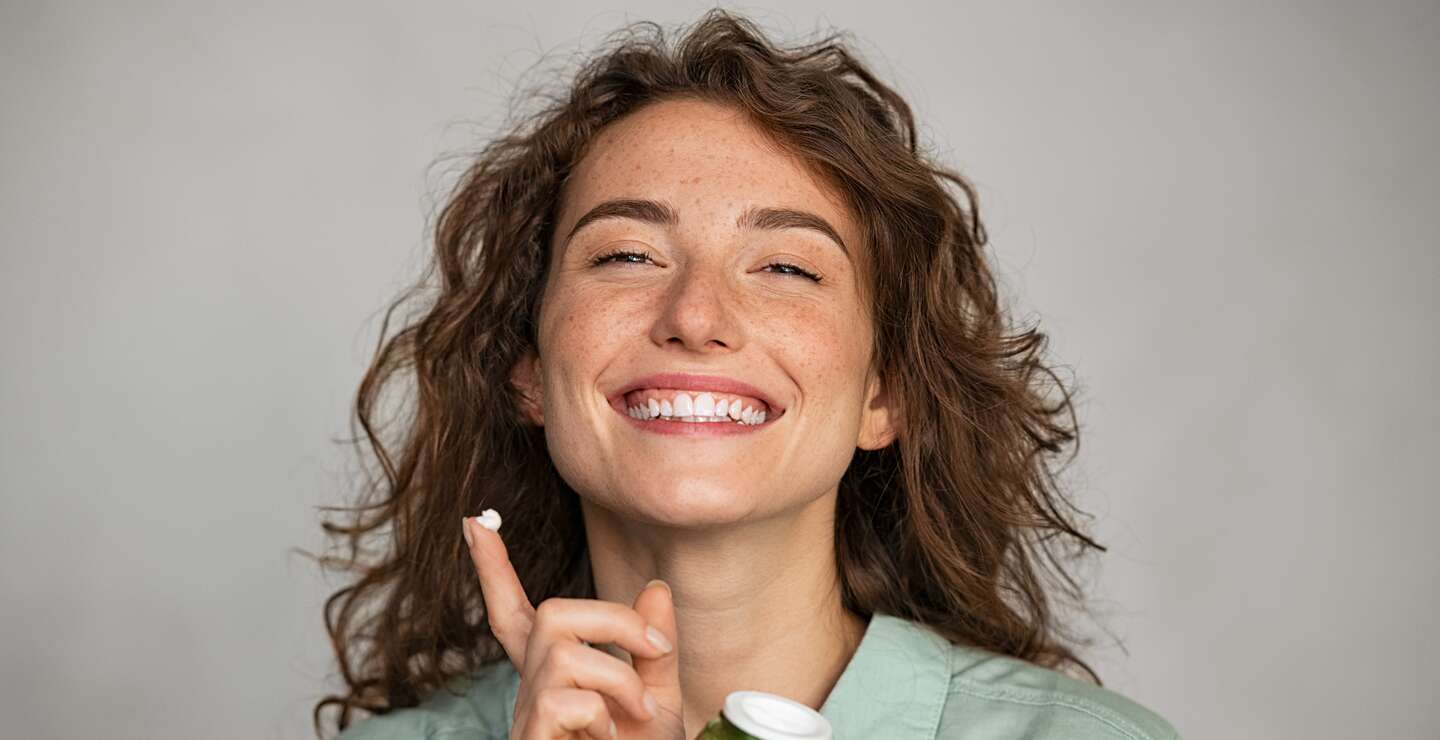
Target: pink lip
column 690, row 382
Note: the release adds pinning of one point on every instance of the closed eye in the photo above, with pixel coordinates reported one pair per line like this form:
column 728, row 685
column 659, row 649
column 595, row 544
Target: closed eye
column 618, row 254
column 798, row 270
column 632, row 257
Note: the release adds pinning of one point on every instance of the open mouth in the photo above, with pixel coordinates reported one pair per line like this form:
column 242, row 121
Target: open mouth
column 708, row 409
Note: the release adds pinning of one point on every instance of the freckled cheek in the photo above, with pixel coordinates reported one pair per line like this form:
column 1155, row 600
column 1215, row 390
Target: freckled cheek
column 825, row 357
column 583, row 319
column 817, row 338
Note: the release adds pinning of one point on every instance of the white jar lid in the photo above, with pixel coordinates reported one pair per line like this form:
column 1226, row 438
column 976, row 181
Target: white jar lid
column 771, row 717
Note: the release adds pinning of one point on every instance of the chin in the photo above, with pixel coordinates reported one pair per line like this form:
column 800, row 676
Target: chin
column 681, row 501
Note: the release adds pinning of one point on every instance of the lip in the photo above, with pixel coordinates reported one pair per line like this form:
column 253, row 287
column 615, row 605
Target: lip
column 693, row 382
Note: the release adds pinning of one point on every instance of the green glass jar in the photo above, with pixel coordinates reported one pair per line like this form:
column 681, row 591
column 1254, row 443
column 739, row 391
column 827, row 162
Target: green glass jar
column 756, row 715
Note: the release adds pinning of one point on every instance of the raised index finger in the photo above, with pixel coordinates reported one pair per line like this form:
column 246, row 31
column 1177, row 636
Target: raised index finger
column 509, row 610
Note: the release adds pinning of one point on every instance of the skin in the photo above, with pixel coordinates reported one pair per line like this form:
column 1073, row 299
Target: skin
column 740, row 528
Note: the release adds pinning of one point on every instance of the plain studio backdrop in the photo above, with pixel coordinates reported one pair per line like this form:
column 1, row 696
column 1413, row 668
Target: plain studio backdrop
column 1224, row 215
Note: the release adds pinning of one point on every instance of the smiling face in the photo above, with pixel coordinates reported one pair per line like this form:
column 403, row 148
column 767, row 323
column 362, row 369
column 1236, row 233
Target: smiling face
column 707, row 284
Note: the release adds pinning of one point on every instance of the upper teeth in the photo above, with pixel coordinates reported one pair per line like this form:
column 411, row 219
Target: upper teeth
column 700, row 408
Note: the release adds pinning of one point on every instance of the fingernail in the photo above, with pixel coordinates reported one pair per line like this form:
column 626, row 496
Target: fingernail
column 652, row 706
column 662, row 583
column 465, row 530
column 657, row 638
column 613, row 732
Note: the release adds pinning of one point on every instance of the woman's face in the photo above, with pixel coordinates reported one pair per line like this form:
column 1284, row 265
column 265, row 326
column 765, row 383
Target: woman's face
column 701, row 296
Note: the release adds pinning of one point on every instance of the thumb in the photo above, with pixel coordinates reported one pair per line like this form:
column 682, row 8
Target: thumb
column 661, row 675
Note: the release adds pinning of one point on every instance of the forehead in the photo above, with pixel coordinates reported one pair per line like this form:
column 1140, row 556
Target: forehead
column 706, row 159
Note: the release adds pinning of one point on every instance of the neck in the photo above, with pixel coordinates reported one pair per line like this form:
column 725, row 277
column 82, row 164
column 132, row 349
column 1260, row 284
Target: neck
column 757, row 605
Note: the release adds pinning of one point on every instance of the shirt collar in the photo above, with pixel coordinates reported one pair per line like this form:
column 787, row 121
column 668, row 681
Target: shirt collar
column 895, row 684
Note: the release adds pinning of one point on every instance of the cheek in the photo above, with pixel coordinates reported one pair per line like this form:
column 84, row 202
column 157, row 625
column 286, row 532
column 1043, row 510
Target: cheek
column 590, row 319
column 823, row 347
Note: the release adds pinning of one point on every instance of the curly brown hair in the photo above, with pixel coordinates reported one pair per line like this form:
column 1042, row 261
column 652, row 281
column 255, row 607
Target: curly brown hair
column 960, row 524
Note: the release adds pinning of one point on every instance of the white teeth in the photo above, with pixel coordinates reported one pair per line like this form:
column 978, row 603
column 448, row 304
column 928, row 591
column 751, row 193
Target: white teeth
column 700, row 408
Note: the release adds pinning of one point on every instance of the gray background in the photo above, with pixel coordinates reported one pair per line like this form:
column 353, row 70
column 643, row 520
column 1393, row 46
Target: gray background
column 1223, row 214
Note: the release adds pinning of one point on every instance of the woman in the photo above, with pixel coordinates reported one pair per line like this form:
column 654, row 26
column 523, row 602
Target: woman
column 723, row 351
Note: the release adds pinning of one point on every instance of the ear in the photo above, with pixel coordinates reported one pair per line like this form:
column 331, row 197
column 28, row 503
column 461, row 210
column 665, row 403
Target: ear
column 525, row 379
column 881, row 418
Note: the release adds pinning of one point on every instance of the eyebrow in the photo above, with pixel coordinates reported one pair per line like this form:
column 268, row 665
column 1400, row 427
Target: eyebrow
column 755, row 217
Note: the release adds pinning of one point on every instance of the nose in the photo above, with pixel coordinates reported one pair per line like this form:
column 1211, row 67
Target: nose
column 698, row 311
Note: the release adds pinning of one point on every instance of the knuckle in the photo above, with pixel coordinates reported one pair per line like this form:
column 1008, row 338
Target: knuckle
column 558, row 704
column 592, row 708
column 549, row 702
column 563, row 655
column 548, row 610
column 594, row 704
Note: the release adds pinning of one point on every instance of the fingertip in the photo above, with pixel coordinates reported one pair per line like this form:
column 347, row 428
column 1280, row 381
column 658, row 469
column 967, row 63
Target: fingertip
column 655, row 606
column 485, row 545
column 656, row 601
column 663, row 584
column 475, row 528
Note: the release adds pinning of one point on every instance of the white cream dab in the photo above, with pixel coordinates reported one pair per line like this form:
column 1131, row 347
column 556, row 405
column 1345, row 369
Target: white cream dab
column 489, row 519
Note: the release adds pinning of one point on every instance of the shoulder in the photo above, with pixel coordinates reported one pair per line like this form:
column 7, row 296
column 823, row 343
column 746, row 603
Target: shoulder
column 474, row 707
column 1015, row 698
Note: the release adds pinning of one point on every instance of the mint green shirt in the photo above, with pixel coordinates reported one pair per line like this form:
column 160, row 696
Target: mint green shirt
column 904, row 682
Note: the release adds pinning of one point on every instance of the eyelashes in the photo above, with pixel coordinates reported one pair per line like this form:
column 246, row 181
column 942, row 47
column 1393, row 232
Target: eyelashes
column 624, row 255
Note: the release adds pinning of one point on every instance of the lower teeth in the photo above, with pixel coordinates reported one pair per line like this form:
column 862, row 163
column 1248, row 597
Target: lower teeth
column 698, row 419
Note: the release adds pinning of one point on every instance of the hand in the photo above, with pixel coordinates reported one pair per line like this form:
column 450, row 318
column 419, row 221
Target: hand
column 569, row 689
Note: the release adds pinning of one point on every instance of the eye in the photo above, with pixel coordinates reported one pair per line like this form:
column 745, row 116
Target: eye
column 800, row 271
column 620, row 255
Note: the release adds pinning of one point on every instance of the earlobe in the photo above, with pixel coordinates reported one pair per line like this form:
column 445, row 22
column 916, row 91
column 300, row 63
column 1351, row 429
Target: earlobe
column 525, row 379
